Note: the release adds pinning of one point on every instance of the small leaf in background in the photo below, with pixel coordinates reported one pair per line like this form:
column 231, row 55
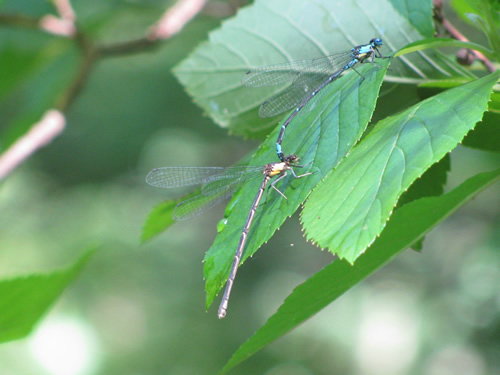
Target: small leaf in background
column 160, row 217
column 408, row 224
column 366, row 186
column 486, row 135
column 494, row 104
column 158, row 220
column 430, row 184
column 24, row 300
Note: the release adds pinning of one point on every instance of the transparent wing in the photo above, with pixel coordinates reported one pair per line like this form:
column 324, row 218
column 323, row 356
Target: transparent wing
column 231, row 177
column 293, row 95
column 173, row 177
column 201, row 203
column 277, row 74
column 305, row 77
column 217, row 184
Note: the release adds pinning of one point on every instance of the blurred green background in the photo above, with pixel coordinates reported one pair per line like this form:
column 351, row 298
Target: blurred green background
column 139, row 309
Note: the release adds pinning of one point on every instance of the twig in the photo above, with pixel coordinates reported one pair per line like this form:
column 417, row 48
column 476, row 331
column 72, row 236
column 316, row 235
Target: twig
column 478, row 55
column 57, row 26
column 128, row 47
column 90, row 56
column 19, row 20
column 172, row 21
column 63, row 25
column 223, row 9
column 65, row 10
column 48, row 23
column 42, row 133
column 453, row 31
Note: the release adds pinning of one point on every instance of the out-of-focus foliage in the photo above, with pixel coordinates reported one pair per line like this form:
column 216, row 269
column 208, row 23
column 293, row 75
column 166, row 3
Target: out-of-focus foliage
column 23, row 300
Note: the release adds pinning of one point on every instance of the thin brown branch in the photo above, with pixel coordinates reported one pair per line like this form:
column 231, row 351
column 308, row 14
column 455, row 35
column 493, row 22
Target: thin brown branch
column 453, row 31
column 63, row 26
column 42, row 133
column 172, row 21
column 478, row 55
column 90, row 56
column 223, row 9
column 128, row 47
column 19, row 20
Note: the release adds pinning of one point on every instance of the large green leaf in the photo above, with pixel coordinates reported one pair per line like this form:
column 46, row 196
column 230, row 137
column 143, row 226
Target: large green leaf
column 407, row 225
column 24, row 300
column 323, row 138
column 276, row 31
column 349, row 209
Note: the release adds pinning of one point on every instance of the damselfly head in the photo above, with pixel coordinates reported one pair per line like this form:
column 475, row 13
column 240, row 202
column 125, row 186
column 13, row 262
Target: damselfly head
column 292, row 159
column 376, row 42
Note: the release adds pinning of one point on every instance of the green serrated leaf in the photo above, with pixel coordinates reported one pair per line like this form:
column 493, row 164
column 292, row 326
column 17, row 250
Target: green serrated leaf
column 349, row 209
column 24, row 300
column 264, row 33
column 408, row 224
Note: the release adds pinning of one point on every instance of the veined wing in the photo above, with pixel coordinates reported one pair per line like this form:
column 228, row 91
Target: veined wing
column 277, row 74
column 231, row 178
column 173, row 177
column 293, row 95
column 201, row 203
column 217, row 184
